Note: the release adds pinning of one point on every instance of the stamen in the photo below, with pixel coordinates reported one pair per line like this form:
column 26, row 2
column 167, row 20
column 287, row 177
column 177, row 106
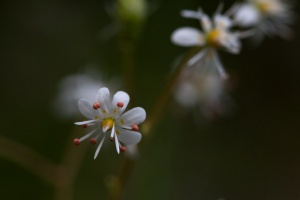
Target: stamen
column 99, row 147
column 87, row 135
column 135, row 127
column 213, row 37
column 96, row 105
column 264, row 7
column 93, row 141
column 76, row 141
column 120, row 104
column 123, row 149
column 112, row 133
column 107, row 124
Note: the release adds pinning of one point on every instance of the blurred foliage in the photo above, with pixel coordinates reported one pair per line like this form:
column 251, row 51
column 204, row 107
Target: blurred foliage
column 251, row 155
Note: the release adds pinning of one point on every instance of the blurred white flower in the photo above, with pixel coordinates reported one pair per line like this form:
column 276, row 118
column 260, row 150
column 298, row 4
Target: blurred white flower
column 74, row 87
column 106, row 116
column 216, row 34
column 267, row 17
column 208, row 91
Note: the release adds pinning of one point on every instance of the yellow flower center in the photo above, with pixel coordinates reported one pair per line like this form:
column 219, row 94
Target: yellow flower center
column 107, row 124
column 264, row 7
column 212, row 37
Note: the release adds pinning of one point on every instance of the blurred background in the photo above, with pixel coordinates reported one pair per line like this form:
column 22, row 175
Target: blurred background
column 254, row 153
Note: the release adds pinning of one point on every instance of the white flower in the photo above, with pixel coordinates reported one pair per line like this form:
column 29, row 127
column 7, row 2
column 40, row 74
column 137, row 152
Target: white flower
column 107, row 117
column 216, row 34
column 76, row 86
column 204, row 90
column 268, row 17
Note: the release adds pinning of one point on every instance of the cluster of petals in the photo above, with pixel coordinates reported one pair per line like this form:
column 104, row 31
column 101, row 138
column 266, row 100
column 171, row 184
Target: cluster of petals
column 216, row 34
column 204, row 92
column 267, row 17
column 74, row 87
column 107, row 117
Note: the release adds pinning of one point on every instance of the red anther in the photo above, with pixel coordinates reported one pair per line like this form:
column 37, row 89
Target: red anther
column 76, row 141
column 123, row 149
column 93, row 141
column 135, row 127
column 120, row 104
column 84, row 125
column 111, row 138
column 96, row 105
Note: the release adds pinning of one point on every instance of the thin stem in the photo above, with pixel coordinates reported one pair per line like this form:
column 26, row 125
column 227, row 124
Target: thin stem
column 28, row 159
column 61, row 176
column 68, row 170
column 128, row 164
column 117, row 188
column 128, row 48
column 163, row 99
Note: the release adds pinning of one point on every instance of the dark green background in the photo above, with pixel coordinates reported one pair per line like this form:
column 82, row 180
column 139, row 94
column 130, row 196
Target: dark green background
column 253, row 155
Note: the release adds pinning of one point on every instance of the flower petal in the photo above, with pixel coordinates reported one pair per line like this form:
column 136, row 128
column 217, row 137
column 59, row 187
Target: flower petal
column 206, row 23
column 246, row 15
column 231, row 43
column 197, row 57
column 129, row 137
column 191, row 14
column 219, row 66
column 116, row 141
column 134, row 116
column 122, row 97
column 186, row 94
column 88, row 135
column 84, row 122
column 187, row 36
column 99, row 147
column 222, row 22
column 86, row 109
column 103, row 97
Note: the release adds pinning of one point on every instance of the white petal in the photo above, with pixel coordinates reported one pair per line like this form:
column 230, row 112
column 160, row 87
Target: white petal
column 134, row 116
column 120, row 97
column 197, row 57
column 220, row 67
column 129, row 137
column 186, row 94
column 222, row 22
column 187, row 36
column 206, row 23
column 84, row 122
column 246, row 15
column 116, row 141
column 191, row 14
column 88, row 135
column 99, row 147
column 103, row 97
column 87, row 109
column 231, row 43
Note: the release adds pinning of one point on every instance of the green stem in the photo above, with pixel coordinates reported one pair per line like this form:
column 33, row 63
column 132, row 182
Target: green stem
column 61, row 176
column 118, row 187
column 128, row 51
column 68, row 170
column 28, row 159
column 158, row 109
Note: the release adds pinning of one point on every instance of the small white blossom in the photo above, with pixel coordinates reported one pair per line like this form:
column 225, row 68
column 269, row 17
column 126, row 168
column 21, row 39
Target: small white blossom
column 216, row 34
column 267, row 17
column 207, row 91
column 76, row 86
column 107, row 117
